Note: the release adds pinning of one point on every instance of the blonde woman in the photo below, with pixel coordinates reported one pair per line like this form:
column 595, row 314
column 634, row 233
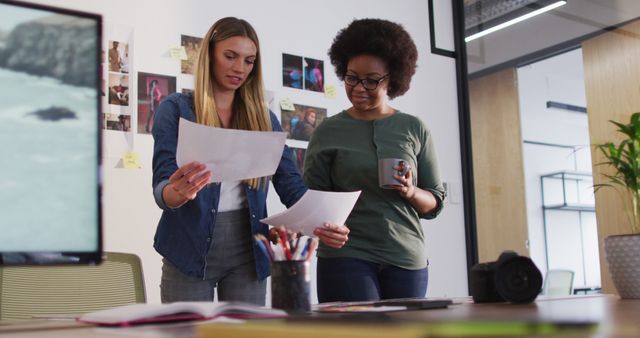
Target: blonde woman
column 205, row 234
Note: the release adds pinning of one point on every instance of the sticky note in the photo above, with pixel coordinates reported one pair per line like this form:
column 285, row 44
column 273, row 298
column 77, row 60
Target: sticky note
column 286, row 104
column 131, row 160
column 330, row 91
column 178, row 53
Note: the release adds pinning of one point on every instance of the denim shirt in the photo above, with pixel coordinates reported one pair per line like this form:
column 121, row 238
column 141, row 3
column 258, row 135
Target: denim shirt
column 184, row 234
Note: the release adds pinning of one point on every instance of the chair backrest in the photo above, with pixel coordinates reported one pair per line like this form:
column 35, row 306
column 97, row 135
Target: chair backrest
column 27, row 291
column 558, row 283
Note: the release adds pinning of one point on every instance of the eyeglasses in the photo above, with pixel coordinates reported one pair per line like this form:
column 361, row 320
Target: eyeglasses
column 368, row 84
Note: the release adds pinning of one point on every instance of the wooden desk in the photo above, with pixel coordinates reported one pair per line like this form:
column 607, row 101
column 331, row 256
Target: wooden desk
column 615, row 318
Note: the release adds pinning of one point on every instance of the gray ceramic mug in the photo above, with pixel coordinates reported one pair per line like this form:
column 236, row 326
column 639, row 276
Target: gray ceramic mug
column 386, row 173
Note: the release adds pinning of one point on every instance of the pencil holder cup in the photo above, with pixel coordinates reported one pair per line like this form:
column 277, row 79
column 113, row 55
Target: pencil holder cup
column 290, row 284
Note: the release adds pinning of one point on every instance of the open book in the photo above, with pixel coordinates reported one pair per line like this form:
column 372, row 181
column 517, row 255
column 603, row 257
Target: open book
column 158, row 313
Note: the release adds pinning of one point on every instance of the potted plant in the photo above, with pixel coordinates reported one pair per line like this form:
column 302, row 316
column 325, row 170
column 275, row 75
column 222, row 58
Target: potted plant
column 623, row 251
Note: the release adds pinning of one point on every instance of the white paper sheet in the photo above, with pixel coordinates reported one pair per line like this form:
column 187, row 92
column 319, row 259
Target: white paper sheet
column 314, row 209
column 230, row 154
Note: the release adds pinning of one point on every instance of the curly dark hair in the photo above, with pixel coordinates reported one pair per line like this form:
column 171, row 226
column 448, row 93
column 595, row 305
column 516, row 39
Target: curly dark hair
column 381, row 38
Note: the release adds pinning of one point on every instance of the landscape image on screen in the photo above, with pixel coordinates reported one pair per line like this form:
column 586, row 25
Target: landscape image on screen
column 49, row 141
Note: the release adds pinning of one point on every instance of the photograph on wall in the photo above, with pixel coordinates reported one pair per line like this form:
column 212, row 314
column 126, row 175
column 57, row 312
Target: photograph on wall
column 119, row 89
column 119, row 122
column 299, row 124
column 118, row 56
column 191, row 46
column 298, row 158
column 292, row 71
column 152, row 88
column 313, row 75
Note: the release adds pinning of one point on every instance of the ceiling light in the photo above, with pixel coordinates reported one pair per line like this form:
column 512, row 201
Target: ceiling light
column 513, row 17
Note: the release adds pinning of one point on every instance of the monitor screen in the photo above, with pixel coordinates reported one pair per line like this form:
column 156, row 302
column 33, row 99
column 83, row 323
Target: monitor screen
column 50, row 210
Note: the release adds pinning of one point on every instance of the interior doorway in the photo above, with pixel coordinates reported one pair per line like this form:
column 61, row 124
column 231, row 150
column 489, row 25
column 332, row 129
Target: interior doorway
column 562, row 228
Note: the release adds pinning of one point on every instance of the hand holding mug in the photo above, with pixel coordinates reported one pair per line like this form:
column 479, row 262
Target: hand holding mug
column 405, row 178
column 389, row 169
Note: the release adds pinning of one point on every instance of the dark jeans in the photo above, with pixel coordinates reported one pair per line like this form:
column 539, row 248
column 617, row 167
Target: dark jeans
column 351, row 279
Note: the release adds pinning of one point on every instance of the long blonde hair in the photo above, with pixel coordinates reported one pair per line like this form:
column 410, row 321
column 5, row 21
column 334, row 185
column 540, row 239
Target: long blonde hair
column 250, row 110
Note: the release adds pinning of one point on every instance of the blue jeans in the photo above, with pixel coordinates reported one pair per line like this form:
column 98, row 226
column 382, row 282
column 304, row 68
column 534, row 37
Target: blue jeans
column 352, row 279
column 231, row 268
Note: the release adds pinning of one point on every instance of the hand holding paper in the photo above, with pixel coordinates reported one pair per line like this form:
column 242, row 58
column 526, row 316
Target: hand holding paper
column 314, row 209
column 333, row 235
column 230, row 154
column 185, row 183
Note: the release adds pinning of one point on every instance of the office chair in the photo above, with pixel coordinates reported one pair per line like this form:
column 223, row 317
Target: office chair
column 27, row 291
column 558, row 283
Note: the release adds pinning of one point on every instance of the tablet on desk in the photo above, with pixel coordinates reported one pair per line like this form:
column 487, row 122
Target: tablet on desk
column 385, row 305
column 416, row 303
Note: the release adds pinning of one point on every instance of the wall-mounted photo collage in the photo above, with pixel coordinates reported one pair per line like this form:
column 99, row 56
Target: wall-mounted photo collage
column 117, row 112
column 299, row 121
column 302, row 73
column 298, row 72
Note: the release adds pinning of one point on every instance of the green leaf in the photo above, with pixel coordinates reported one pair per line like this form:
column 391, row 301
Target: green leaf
column 624, row 158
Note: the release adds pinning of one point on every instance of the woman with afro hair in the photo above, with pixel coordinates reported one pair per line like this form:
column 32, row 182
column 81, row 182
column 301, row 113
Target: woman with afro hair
column 385, row 255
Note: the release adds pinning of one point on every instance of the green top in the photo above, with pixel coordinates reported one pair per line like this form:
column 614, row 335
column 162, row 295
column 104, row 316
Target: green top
column 343, row 156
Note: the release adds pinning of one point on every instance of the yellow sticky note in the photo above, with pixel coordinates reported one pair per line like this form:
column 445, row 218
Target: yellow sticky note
column 131, row 160
column 178, row 53
column 330, row 91
column 286, row 104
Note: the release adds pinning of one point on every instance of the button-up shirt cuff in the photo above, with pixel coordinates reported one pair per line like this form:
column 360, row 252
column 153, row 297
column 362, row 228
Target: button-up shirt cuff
column 439, row 196
column 157, row 194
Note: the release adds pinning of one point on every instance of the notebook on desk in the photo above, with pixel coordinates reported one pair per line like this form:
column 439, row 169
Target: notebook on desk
column 133, row 314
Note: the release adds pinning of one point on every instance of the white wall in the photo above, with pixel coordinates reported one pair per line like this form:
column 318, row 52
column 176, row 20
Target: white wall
column 285, row 26
column 571, row 237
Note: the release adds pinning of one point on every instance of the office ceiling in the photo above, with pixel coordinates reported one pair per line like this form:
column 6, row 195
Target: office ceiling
column 552, row 29
column 481, row 11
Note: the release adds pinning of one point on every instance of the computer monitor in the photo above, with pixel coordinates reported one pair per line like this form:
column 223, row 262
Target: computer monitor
column 50, row 136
